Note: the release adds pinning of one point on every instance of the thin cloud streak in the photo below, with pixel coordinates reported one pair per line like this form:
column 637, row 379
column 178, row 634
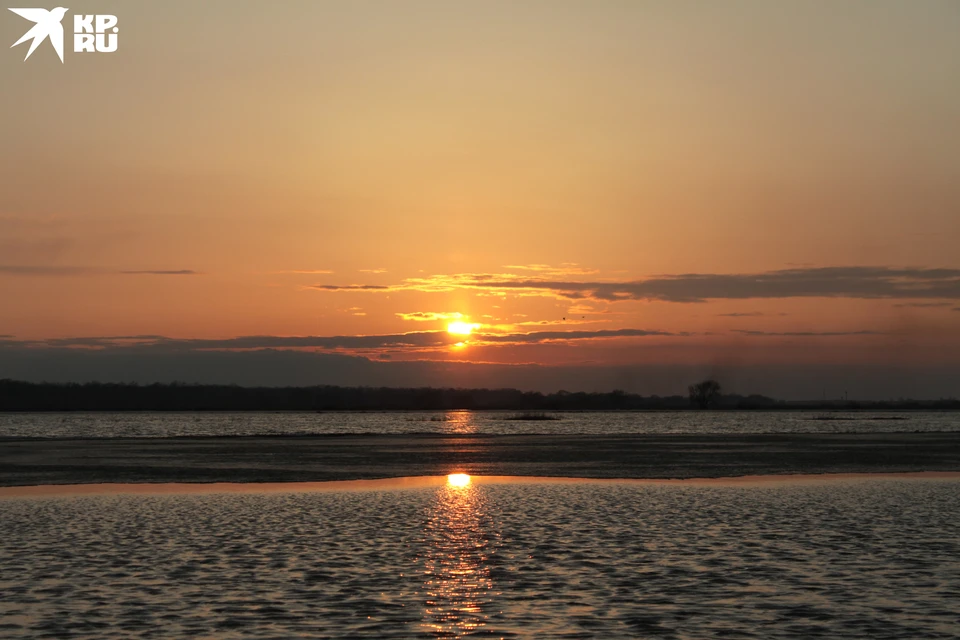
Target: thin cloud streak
column 923, row 305
column 429, row 316
column 565, row 269
column 304, row 272
column 412, row 340
column 30, row 270
column 177, row 272
column 550, row 336
column 351, row 287
column 808, row 334
column 42, row 271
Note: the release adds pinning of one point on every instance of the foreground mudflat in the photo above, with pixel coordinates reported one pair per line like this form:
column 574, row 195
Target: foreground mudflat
column 319, row 458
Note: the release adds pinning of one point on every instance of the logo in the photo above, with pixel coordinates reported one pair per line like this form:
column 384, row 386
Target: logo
column 48, row 26
column 91, row 33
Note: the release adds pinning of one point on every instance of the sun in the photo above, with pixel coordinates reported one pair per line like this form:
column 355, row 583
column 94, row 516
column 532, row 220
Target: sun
column 458, row 479
column 461, row 328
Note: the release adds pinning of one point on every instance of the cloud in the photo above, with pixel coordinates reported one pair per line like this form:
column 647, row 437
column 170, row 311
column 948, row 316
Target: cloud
column 924, row 305
column 552, row 336
column 350, row 287
column 416, row 340
column 413, row 339
column 565, row 269
column 750, row 314
column 564, row 322
column 177, row 272
column 372, row 270
column 808, row 334
column 430, row 316
column 306, row 272
column 828, row 282
column 100, row 341
column 32, row 270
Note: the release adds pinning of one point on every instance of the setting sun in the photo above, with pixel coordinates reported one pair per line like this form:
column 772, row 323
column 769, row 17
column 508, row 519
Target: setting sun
column 461, row 328
column 458, row 479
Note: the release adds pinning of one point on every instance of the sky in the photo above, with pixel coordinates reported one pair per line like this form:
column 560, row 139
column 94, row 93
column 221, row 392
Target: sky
column 616, row 193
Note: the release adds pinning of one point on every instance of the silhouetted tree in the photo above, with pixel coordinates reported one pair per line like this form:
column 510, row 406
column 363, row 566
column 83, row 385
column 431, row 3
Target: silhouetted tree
column 705, row 393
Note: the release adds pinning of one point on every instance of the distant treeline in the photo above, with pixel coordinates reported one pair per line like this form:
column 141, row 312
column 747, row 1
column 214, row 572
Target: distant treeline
column 27, row 396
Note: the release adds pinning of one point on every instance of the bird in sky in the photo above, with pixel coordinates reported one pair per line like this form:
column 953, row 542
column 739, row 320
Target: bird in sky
column 48, row 26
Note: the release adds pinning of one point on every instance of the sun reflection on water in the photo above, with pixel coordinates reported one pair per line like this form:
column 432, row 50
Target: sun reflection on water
column 460, row 540
column 458, row 479
column 459, row 422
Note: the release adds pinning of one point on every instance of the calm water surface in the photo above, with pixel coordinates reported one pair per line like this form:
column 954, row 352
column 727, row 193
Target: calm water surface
column 159, row 425
column 874, row 558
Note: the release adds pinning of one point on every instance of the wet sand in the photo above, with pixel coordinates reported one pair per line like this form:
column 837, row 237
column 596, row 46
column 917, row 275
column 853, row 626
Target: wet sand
column 326, row 458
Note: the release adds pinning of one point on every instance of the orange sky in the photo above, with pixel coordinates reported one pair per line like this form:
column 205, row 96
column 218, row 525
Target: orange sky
column 748, row 181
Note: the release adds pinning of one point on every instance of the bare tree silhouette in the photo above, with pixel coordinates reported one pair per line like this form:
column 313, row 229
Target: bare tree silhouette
column 703, row 394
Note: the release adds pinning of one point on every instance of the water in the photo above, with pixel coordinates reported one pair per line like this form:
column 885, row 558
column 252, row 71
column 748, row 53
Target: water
column 159, row 425
column 876, row 558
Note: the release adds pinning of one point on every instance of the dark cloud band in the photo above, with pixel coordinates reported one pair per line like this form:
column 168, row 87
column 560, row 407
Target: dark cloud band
column 826, row 282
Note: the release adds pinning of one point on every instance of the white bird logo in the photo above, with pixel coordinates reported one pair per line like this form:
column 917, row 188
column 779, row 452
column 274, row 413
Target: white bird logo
column 48, row 26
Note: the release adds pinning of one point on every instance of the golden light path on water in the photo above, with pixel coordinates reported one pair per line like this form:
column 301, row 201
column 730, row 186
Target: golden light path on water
column 460, row 536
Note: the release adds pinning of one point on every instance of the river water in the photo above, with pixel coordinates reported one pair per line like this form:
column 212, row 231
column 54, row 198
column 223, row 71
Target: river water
column 159, row 425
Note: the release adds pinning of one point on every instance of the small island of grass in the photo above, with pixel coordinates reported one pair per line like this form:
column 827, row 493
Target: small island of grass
column 532, row 415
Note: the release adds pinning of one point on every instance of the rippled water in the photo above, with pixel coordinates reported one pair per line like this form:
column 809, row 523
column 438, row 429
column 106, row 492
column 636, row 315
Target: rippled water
column 877, row 559
column 101, row 425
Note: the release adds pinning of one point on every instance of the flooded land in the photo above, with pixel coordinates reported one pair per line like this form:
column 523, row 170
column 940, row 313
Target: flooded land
column 846, row 558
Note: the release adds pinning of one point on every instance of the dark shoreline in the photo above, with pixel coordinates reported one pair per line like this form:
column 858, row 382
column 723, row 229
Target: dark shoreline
column 19, row 395
column 42, row 461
